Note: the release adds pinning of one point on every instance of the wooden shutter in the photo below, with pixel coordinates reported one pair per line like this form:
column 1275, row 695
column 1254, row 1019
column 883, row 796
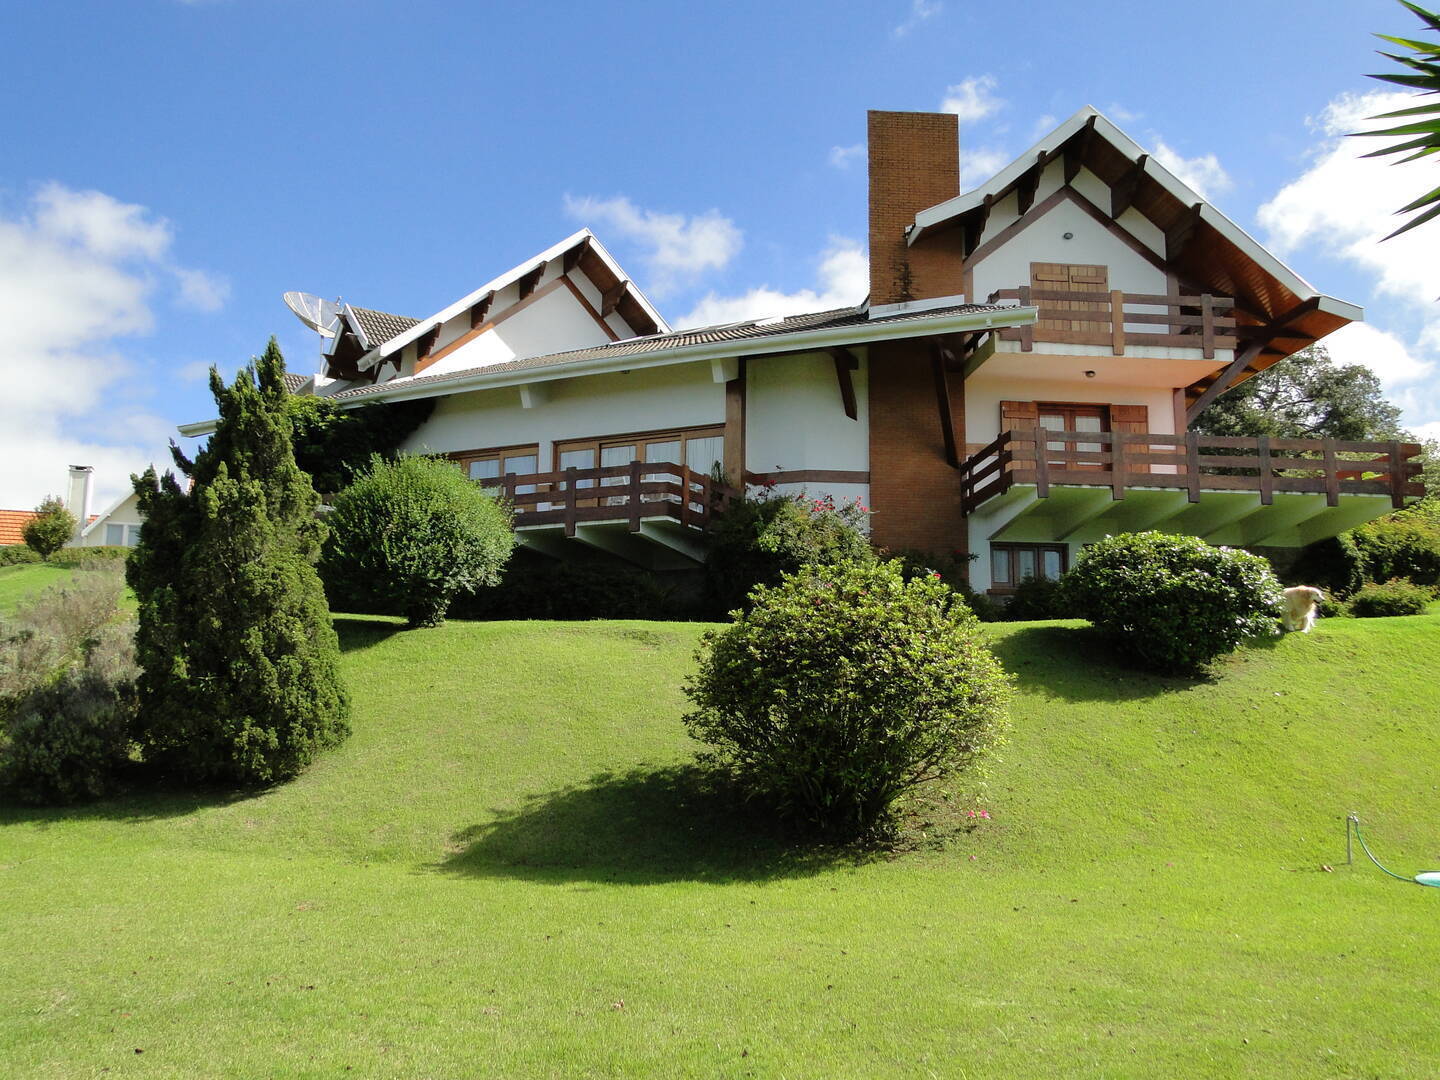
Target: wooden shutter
column 1069, row 277
column 1016, row 415
column 1131, row 419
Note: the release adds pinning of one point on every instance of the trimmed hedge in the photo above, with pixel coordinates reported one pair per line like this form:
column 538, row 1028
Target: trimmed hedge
column 1395, row 597
column 1173, row 602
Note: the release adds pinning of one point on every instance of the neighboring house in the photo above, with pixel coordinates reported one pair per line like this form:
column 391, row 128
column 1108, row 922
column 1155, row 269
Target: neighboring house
column 12, row 526
column 118, row 525
column 1083, row 290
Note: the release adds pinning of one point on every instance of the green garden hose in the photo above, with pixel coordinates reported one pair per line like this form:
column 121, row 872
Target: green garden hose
column 1430, row 877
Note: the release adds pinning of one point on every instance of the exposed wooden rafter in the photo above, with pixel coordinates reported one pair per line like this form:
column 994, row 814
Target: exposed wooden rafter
column 975, row 224
column 426, row 341
column 531, row 278
column 1075, row 148
column 1029, row 181
column 845, row 363
column 612, row 297
column 575, row 254
column 480, row 309
column 1178, row 236
column 1122, row 192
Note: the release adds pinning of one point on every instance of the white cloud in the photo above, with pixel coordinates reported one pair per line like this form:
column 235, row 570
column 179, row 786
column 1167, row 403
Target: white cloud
column 1204, row 174
column 842, row 156
column 980, row 164
column 921, row 11
column 78, row 271
column 843, row 279
column 972, row 99
column 675, row 248
column 1342, row 206
column 1043, row 125
column 201, row 290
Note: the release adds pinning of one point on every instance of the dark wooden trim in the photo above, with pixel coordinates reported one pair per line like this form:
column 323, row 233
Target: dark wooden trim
column 475, row 331
column 531, row 278
column 1223, row 381
column 1179, row 235
column 938, row 355
column 975, row 226
column 612, row 297
column 426, row 341
column 1075, row 148
column 1029, row 182
column 808, row 476
column 574, row 255
column 1123, row 191
column 734, row 430
column 480, row 309
column 845, row 363
column 1047, row 204
column 590, row 309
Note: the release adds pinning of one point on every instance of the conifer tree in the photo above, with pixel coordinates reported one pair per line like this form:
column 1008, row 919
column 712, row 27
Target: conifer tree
column 240, row 663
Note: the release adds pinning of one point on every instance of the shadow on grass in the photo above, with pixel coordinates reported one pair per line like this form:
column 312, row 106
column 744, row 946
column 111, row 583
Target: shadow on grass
column 641, row 827
column 1077, row 663
column 141, row 799
column 359, row 632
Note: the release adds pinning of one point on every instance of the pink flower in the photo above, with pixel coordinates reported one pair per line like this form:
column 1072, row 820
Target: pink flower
column 935, row 573
column 972, row 813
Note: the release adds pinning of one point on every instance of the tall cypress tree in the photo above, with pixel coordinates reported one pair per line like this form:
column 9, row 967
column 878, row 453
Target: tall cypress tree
column 240, row 661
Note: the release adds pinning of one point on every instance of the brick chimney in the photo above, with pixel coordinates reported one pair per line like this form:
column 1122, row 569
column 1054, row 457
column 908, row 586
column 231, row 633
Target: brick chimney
column 914, row 164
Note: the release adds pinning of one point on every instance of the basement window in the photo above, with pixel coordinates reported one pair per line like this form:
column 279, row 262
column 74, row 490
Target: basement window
column 1011, row 564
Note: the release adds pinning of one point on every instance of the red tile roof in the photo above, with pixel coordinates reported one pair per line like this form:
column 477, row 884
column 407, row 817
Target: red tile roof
column 11, row 524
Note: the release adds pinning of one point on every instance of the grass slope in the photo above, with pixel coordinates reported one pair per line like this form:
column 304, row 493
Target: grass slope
column 506, row 873
column 20, row 582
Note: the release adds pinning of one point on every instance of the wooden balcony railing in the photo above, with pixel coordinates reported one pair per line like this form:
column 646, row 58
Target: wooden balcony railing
column 1191, row 463
column 629, row 493
column 1118, row 319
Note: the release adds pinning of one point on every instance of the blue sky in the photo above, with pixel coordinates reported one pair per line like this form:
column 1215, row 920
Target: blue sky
column 171, row 167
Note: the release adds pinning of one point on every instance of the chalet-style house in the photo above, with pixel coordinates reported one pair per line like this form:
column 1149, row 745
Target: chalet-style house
column 1020, row 380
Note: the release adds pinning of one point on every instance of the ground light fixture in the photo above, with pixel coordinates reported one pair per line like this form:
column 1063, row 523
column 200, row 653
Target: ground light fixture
column 1352, row 822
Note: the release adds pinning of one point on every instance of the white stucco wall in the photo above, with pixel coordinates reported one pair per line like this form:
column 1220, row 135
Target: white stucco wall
column 617, row 404
column 795, row 419
column 553, row 323
column 983, row 396
column 125, row 513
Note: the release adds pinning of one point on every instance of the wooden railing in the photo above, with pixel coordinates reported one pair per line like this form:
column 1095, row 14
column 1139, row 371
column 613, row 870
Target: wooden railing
column 1189, row 462
column 628, row 493
column 1118, row 319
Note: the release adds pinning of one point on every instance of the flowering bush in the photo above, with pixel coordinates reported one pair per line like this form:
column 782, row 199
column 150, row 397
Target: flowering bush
column 844, row 687
column 761, row 538
column 1173, row 602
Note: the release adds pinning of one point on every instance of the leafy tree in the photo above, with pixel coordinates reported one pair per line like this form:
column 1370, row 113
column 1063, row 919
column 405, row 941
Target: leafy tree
column 1305, row 396
column 333, row 444
column 51, row 530
column 240, row 663
column 1420, row 133
column 414, row 533
column 842, row 688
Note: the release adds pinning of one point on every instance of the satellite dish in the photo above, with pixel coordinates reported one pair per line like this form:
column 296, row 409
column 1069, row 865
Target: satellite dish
column 315, row 313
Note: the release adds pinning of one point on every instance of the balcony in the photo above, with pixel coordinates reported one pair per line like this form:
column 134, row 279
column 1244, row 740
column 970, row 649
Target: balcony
column 648, row 513
column 1239, row 491
column 1117, row 320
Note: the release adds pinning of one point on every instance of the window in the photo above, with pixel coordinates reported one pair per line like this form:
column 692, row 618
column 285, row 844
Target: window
column 1054, row 416
column 1011, row 564
column 122, row 535
column 488, row 466
column 699, row 448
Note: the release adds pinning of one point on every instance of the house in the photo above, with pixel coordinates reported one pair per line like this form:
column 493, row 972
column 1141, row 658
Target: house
column 1020, row 380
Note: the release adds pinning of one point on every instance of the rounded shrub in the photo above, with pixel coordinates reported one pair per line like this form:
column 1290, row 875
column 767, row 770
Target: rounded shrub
column 1173, row 603
column 413, row 533
column 1405, row 544
column 761, row 538
column 15, row 554
column 1394, row 597
column 844, row 687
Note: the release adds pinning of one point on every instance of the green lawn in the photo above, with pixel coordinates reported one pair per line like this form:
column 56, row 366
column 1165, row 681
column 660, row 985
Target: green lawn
column 504, row 873
column 19, row 583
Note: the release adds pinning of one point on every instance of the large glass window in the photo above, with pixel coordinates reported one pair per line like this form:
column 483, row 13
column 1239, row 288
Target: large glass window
column 1054, row 417
column 1011, row 564
column 489, row 466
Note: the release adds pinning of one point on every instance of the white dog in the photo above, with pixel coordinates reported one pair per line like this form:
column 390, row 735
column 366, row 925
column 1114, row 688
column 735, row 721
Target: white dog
column 1302, row 605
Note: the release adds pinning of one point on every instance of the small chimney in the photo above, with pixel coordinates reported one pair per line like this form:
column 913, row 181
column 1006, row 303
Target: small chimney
column 914, row 165
column 82, row 481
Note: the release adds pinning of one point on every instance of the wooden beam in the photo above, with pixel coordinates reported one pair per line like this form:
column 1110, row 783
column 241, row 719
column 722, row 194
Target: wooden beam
column 845, row 363
column 1075, row 149
column 975, row 225
column 734, row 441
column 1029, row 181
column 426, row 342
column 1122, row 192
column 1223, row 381
column 938, row 354
column 612, row 297
column 480, row 309
column 575, row 254
column 1178, row 236
column 531, row 278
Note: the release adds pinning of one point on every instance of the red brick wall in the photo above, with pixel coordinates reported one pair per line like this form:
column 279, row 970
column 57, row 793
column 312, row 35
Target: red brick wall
column 914, row 164
column 914, row 493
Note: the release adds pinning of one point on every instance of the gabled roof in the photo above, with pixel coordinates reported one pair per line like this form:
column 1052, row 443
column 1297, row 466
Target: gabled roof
column 12, row 525
column 1276, row 306
column 589, row 254
column 819, row 330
